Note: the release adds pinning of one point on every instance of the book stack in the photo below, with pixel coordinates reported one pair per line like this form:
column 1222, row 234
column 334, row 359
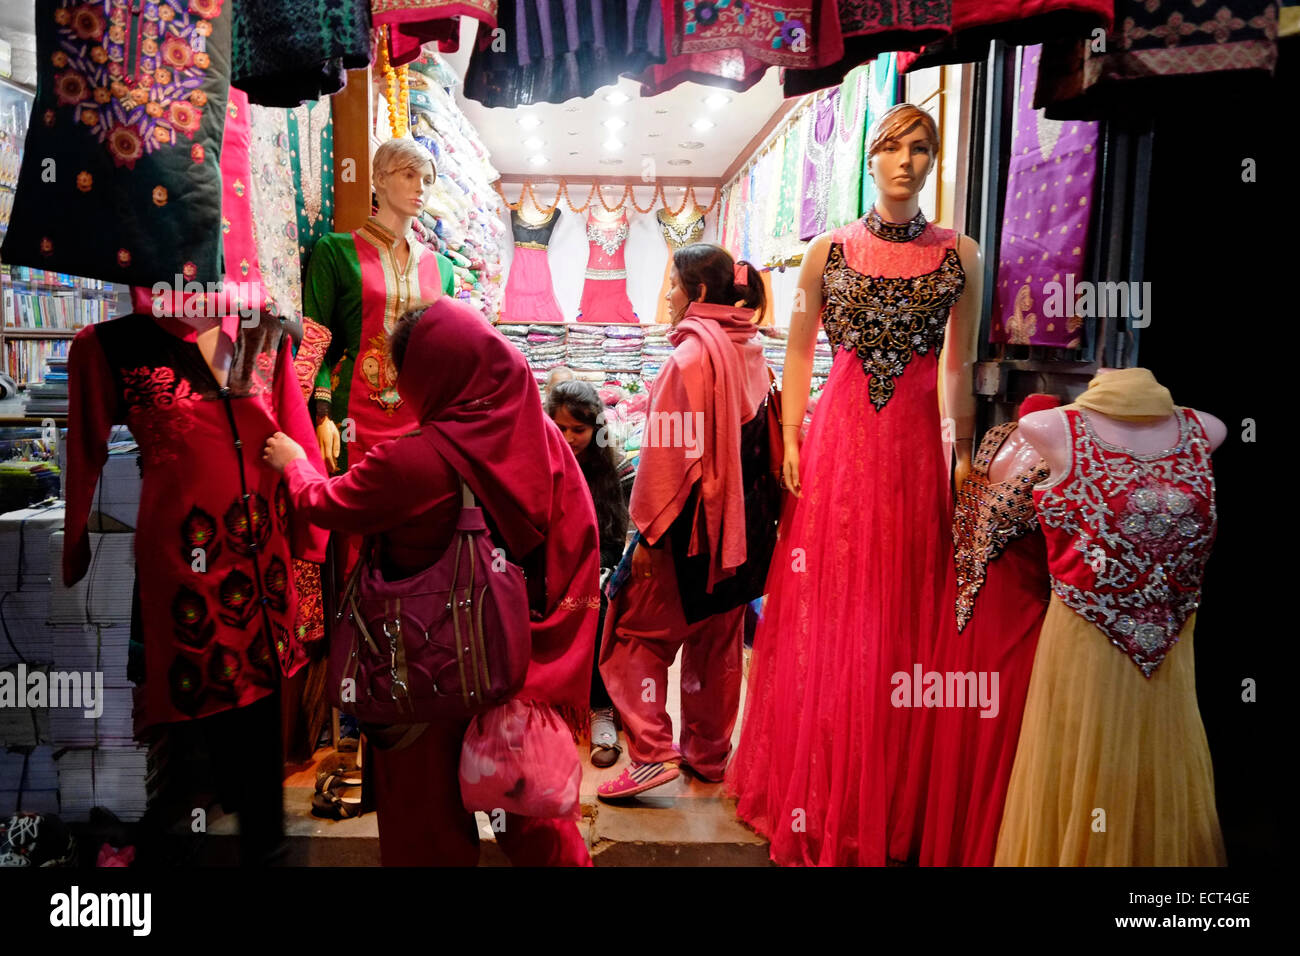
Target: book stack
column 111, row 777
column 50, row 397
column 103, row 595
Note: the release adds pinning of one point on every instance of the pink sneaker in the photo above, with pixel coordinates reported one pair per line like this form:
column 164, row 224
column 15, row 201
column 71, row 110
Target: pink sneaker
column 638, row 778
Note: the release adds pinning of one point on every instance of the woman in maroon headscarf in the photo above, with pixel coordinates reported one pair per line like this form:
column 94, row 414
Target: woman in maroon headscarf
column 481, row 419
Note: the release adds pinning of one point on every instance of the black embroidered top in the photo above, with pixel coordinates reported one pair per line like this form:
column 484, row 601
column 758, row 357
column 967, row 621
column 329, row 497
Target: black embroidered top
column 532, row 236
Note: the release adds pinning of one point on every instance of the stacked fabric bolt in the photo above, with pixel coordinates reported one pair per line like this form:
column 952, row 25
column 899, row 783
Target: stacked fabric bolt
column 823, row 358
column 28, row 778
column 774, row 342
column 655, row 350
column 587, row 348
column 623, row 347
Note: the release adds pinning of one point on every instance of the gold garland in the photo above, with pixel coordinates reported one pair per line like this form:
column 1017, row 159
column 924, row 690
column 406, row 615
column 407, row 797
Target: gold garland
column 526, row 191
column 398, row 89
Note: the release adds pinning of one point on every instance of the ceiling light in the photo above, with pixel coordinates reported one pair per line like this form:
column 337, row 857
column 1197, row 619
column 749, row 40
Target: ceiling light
column 537, row 159
column 702, row 124
column 616, row 98
column 614, row 123
column 572, row 109
column 679, row 162
column 661, row 112
column 534, row 143
column 691, row 144
column 652, row 135
column 717, row 101
column 613, row 145
column 611, row 162
column 529, row 122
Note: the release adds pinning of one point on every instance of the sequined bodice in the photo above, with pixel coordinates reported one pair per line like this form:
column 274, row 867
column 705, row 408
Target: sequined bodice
column 533, row 235
column 887, row 320
column 989, row 516
column 1129, row 535
column 608, row 237
column 681, row 230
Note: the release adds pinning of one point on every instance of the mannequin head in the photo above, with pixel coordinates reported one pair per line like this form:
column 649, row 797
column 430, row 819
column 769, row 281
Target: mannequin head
column 704, row 272
column 404, row 175
column 557, row 375
column 902, row 148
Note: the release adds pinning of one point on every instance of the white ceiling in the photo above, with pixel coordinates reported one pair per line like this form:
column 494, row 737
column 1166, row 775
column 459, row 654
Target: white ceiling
column 573, row 135
column 18, row 27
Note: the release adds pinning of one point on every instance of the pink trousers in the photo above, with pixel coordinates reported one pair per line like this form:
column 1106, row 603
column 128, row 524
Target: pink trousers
column 422, row 821
column 644, row 629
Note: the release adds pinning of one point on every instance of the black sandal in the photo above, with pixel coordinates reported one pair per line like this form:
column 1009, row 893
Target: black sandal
column 337, row 801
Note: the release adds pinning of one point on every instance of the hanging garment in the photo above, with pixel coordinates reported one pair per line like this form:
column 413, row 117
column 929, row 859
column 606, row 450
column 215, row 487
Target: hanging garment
column 275, row 211
column 866, row 29
column 848, row 150
column 216, row 534
column 1153, row 42
column 789, row 34
column 1111, row 720
column 1002, row 593
column 818, row 160
column 733, row 70
column 862, row 596
column 604, row 294
column 413, row 23
column 1045, row 226
column 354, row 290
column 976, row 23
column 785, row 225
column 286, row 52
column 129, row 114
column 530, row 294
column 311, row 154
column 678, row 231
column 882, row 93
column 560, row 50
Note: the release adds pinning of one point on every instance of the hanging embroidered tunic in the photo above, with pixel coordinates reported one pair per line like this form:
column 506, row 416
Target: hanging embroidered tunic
column 354, row 290
column 215, row 535
column 1128, row 535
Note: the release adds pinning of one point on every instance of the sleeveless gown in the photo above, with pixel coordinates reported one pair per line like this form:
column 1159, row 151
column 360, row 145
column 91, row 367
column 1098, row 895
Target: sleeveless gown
column 863, row 569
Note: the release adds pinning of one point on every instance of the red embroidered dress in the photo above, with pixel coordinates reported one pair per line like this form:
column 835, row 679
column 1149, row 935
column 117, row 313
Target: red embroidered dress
column 862, row 575
column 215, row 536
column 1128, row 535
column 604, row 295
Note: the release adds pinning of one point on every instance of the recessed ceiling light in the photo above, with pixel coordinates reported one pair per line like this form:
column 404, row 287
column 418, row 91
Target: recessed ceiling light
column 616, row 98
column 652, row 135
column 529, row 122
column 679, row 162
column 613, row 145
column 661, row 112
column 611, row 162
column 572, row 109
column 573, row 132
column 717, row 101
column 691, row 144
column 702, row 124
column 537, row 159
column 536, row 142
column 614, row 123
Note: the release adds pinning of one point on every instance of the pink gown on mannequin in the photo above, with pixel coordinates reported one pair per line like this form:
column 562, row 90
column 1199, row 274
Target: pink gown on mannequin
column 863, row 570
column 604, row 295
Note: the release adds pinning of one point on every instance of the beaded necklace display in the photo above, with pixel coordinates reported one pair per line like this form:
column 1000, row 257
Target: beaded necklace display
column 398, row 92
column 895, row 231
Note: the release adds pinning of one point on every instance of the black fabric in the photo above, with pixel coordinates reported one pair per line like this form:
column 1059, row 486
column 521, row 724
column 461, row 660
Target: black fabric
column 285, row 52
column 525, row 231
column 762, row 513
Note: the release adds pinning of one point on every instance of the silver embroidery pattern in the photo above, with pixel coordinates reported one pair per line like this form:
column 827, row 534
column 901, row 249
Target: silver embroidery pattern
column 1147, row 557
column 609, row 239
column 819, row 155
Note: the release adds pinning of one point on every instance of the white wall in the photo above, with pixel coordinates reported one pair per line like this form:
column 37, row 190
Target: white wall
column 645, row 251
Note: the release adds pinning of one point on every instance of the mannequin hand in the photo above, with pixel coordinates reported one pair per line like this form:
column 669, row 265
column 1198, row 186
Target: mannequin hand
column 790, row 467
column 280, row 450
column 327, row 436
column 962, row 469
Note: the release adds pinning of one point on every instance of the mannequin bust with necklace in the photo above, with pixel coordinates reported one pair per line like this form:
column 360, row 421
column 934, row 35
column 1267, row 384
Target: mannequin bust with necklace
column 358, row 285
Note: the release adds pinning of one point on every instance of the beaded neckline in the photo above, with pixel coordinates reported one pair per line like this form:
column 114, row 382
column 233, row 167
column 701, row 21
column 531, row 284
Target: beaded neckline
column 895, row 231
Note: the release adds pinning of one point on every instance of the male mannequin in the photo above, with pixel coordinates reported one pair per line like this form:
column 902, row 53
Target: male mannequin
column 357, row 286
column 1046, row 432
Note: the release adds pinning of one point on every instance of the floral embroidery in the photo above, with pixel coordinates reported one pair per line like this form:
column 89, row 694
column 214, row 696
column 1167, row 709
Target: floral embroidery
column 237, row 599
column 194, row 628
column 123, row 258
column 887, row 321
column 591, row 602
column 157, row 410
column 85, row 181
column 238, row 520
column 138, row 112
column 1141, row 527
column 379, row 373
column 989, row 516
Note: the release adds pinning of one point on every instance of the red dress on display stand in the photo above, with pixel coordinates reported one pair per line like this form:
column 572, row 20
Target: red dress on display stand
column 604, row 295
column 1002, row 592
column 858, row 582
column 530, row 294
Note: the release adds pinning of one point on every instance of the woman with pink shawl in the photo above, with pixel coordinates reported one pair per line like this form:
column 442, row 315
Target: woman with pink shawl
column 688, row 505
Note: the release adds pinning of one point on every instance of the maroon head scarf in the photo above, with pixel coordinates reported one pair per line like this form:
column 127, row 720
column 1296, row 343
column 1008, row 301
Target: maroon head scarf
column 479, row 407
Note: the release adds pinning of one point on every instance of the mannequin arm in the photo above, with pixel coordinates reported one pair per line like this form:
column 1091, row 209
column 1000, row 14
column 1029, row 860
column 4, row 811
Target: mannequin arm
column 796, row 376
column 959, row 356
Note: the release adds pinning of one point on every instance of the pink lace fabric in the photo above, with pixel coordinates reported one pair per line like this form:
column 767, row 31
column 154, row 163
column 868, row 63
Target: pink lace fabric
column 862, row 580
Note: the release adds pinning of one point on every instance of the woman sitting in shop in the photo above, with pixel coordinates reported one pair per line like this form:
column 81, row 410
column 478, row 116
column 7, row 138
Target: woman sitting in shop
column 576, row 408
column 472, row 411
column 688, row 505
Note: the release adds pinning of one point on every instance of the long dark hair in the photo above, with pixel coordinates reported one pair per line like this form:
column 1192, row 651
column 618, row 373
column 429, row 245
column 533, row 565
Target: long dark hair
column 709, row 265
column 599, row 466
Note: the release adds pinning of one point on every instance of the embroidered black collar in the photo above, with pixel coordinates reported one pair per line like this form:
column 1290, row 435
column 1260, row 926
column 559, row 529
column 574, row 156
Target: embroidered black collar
column 896, row 231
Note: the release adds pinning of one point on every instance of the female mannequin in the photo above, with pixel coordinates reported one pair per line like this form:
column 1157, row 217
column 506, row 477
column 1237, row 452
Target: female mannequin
column 357, row 285
column 1118, row 750
column 823, row 762
column 604, row 294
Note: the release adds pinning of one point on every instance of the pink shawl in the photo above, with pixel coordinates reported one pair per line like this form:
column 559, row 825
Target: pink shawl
column 711, row 385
